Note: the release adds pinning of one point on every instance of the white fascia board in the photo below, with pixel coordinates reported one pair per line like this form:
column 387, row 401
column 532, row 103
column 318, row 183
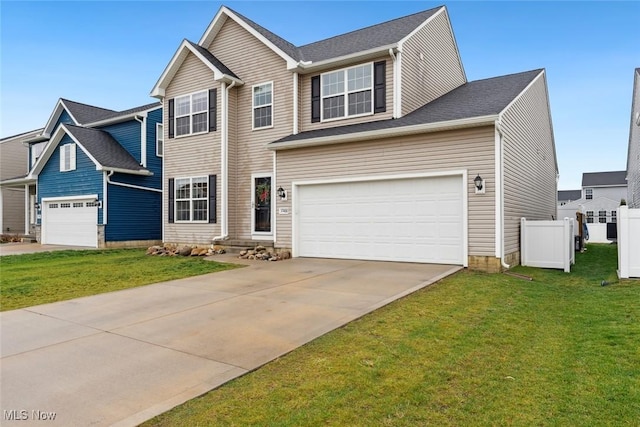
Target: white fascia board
column 386, row 133
column 216, row 24
column 48, row 128
column 170, row 71
column 48, row 150
column 27, row 136
column 308, row 67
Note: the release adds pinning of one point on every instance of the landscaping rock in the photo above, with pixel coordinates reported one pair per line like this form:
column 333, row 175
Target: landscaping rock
column 185, row 251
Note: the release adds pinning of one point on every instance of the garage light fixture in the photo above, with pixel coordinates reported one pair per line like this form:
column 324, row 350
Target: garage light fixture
column 36, row 205
column 479, row 183
column 282, row 194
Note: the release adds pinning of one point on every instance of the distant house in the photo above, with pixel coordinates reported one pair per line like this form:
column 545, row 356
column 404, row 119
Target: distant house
column 96, row 176
column 14, row 199
column 600, row 196
column 568, row 196
column 368, row 145
column 633, row 157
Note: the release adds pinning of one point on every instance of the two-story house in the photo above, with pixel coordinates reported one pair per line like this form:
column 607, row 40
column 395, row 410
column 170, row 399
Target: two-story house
column 96, row 176
column 368, row 145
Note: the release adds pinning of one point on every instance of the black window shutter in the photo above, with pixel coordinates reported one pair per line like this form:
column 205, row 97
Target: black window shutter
column 171, row 199
column 315, row 99
column 212, row 199
column 171, row 118
column 379, row 87
column 213, row 103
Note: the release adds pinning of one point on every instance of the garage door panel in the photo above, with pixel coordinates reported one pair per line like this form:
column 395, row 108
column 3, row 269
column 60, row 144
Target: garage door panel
column 70, row 222
column 414, row 220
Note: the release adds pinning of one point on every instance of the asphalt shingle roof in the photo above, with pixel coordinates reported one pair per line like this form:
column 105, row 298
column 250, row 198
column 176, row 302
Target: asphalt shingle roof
column 569, row 195
column 594, row 179
column 85, row 113
column 355, row 41
column 104, row 148
column 472, row 99
column 212, row 59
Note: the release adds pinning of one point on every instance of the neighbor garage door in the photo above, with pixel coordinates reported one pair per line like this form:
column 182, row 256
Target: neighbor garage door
column 412, row 220
column 70, row 222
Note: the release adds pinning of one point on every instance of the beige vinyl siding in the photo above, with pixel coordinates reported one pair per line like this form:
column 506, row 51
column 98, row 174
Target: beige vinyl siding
column 305, row 100
column 255, row 64
column 431, row 65
column 468, row 149
column 190, row 156
column 633, row 161
column 15, row 163
column 530, row 186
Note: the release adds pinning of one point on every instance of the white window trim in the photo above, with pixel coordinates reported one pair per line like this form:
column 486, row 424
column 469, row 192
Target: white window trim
column 72, row 157
column 191, row 199
column 190, row 115
column 159, row 137
column 254, row 106
column 346, row 94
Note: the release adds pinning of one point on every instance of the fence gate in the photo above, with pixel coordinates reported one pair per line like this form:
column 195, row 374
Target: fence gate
column 628, row 242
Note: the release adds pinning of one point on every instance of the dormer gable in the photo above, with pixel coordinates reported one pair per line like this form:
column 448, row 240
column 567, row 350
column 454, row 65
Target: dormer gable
column 67, row 111
column 220, row 71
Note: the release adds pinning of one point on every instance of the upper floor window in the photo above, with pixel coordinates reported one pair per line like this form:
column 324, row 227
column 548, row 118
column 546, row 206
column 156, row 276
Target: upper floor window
column 347, row 92
column 159, row 139
column 36, row 151
column 263, row 105
column 67, row 157
column 191, row 113
column 588, row 193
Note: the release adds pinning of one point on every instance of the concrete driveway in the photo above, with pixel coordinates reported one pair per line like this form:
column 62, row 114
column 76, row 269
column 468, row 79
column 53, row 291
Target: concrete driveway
column 123, row 357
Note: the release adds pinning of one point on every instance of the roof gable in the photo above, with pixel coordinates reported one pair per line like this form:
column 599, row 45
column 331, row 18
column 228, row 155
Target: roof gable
column 219, row 70
column 604, row 179
column 103, row 150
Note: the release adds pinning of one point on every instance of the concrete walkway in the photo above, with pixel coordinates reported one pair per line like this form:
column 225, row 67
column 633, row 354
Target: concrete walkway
column 123, row 357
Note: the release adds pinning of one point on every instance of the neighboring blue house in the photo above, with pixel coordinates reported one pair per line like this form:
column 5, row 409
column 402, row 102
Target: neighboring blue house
column 96, row 176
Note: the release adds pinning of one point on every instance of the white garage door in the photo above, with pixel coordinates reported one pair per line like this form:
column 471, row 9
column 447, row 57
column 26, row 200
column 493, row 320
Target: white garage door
column 70, row 222
column 412, row 220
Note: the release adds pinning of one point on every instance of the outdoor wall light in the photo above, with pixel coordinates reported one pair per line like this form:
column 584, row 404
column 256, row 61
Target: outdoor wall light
column 282, row 194
column 479, row 183
column 36, row 205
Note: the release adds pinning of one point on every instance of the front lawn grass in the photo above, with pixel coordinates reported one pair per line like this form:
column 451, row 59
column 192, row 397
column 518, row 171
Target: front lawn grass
column 27, row 280
column 473, row 349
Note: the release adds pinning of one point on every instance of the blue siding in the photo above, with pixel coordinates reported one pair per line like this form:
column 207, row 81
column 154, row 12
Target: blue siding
column 64, row 118
column 85, row 179
column 128, row 135
column 133, row 214
column 154, row 163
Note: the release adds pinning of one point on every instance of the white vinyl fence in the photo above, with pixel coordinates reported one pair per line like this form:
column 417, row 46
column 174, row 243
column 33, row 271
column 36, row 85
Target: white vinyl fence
column 628, row 242
column 548, row 244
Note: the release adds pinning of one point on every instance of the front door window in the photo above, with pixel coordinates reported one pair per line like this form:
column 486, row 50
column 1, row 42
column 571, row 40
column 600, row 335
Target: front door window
column 262, row 204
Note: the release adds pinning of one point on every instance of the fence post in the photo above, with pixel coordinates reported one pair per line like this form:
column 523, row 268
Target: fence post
column 523, row 242
column 566, row 245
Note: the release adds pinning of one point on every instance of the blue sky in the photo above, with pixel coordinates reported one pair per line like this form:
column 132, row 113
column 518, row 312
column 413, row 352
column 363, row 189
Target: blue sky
column 111, row 53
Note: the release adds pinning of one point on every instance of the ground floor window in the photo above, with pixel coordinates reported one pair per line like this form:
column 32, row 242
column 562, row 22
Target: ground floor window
column 191, row 199
column 589, row 217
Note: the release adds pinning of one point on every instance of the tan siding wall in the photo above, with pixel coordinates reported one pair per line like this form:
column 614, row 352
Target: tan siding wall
column 190, row 156
column 254, row 63
column 530, row 186
column 470, row 149
column 436, row 72
column 633, row 172
column 15, row 162
column 305, row 101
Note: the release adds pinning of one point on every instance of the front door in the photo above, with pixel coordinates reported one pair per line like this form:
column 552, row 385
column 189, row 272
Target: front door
column 261, row 205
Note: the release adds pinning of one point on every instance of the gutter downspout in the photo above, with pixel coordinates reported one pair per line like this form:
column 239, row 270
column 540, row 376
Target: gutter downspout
column 295, row 104
column 224, row 145
column 500, row 190
column 143, row 138
column 395, row 83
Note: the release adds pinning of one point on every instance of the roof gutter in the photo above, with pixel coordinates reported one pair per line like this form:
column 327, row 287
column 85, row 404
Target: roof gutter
column 385, row 133
column 121, row 118
column 127, row 171
column 304, row 67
